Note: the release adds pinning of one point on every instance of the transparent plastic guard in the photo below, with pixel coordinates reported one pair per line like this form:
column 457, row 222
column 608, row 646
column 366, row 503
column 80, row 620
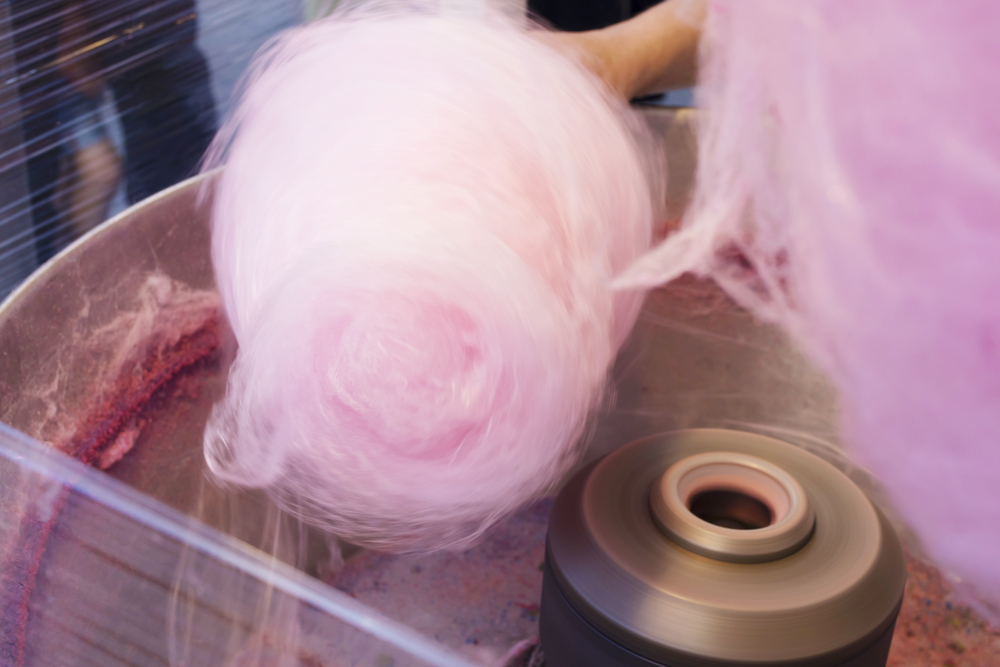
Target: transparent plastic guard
column 95, row 573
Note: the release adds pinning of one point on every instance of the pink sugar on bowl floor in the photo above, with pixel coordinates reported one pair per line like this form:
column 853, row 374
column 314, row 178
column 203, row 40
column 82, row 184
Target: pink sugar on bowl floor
column 934, row 630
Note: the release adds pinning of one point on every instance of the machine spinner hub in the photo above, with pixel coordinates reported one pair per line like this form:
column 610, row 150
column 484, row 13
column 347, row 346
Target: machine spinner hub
column 711, row 547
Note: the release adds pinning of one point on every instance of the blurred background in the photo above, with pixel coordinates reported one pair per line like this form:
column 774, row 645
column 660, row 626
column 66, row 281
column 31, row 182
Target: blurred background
column 106, row 102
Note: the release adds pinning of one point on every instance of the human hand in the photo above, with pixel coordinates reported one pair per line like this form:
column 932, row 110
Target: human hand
column 652, row 52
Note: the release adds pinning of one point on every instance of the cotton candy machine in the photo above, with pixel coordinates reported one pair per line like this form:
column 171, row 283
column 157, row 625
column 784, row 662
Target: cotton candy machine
column 114, row 353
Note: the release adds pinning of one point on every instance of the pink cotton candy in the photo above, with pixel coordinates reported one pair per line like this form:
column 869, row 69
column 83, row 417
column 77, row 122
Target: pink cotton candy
column 851, row 152
column 414, row 238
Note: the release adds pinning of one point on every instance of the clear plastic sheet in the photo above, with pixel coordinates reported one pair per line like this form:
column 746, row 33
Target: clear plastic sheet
column 105, row 102
column 93, row 572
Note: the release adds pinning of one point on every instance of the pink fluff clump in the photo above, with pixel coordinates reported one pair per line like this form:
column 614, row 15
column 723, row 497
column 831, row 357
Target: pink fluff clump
column 414, row 237
column 851, row 155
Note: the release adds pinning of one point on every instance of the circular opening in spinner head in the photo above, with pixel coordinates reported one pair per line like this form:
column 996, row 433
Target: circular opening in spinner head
column 732, row 507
